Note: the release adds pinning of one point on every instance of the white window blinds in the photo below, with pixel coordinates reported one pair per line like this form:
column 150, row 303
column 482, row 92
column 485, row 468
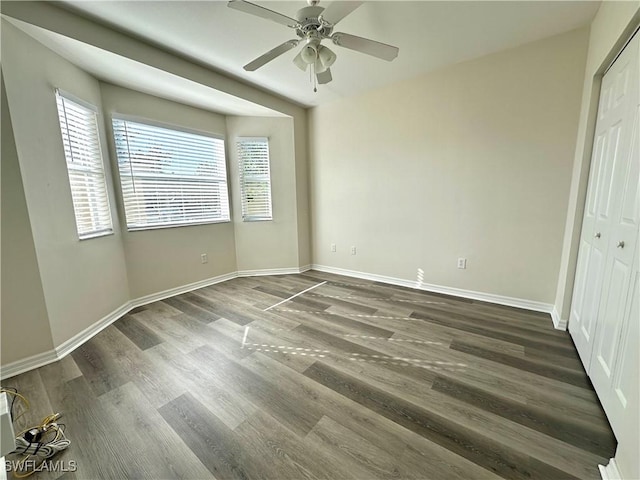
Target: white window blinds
column 170, row 177
column 255, row 182
column 79, row 127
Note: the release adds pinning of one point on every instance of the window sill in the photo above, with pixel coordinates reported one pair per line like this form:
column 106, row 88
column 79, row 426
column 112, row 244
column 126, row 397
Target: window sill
column 177, row 225
column 257, row 219
column 89, row 236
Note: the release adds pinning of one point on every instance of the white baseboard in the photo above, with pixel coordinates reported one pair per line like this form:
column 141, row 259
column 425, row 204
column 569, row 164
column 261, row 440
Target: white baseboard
column 171, row 292
column 558, row 323
column 41, row 359
column 68, row 346
column 20, row 366
column 273, row 271
column 456, row 292
column 24, row 365
column 610, row 471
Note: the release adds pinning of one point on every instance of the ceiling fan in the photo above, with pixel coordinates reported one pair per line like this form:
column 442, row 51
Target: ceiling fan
column 312, row 25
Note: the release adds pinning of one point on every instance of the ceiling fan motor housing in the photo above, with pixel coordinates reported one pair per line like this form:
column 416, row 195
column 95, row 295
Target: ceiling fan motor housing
column 310, row 25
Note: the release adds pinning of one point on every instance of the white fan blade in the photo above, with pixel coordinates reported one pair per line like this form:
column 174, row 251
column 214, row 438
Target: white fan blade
column 364, row 45
column 324, row 77
column 262, row 12
column 338, row 10
column 270, row 55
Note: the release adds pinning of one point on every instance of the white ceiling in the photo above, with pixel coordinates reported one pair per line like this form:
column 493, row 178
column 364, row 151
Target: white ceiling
column 430, row 35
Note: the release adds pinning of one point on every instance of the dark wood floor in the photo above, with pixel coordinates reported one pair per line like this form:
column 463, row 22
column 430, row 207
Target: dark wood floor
column 352, row 379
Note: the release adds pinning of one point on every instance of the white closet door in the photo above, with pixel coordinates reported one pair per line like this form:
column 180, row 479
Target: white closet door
column 624, row 221
column 609, row 163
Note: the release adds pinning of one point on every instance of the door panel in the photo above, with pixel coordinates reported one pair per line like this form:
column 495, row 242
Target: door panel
column 609, row 323
column 625, row 384
column 598, row 154
column 586, row 288
column 630, row 210
column 607, row 177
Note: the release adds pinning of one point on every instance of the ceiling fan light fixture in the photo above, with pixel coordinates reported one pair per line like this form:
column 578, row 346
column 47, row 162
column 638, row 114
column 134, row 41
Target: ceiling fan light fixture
column 300, row 63
column 326, row 56
column 319, row 67
column 309, row 53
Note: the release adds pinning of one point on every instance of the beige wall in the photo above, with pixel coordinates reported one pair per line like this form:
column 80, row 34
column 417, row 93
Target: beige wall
column 267, row 244
column 166, row 258
column 471, row 161
column 82, row 280
column 612, row 26
column 23, row 313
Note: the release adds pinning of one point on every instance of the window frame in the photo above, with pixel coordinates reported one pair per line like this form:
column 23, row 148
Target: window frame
column 181, row 129
column 60, row 97
column 245, row 217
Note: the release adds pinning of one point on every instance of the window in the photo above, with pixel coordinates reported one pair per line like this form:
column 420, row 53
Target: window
column 170, row 177
column 79, row 127
column 255, row 183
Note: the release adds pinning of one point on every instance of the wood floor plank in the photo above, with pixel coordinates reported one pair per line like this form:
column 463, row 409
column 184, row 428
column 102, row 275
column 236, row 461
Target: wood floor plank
column 420, row 465
column 133, row 365
column 346, row 447
column 572, row 361
column 218, row 309
column 508, row 319
column 571, row 430
column 171, row 330
column 222, row 399
column 292, row 282
column 336, row 323
column 287, row 347
column 171, row 456
column 230, row 309
column 282, row 455
column 298, row 302
column 331, row 294
column 483, row 451
column 137, row 332
column 554, row 347
column 573, row 377
column 272, row 398
column 491, row 344
column 98, row 367
column 181, row 303
column 101, row 451
column 207, row 437
column 158, row 309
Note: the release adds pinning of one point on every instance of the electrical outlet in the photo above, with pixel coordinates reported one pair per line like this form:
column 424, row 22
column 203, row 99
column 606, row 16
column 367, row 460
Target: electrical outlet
column 353, row 250
column 462, row 263
column 333, row 247
column 204, row 258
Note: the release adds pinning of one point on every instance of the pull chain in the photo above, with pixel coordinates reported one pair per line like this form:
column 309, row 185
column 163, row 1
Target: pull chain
column 315, row 78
